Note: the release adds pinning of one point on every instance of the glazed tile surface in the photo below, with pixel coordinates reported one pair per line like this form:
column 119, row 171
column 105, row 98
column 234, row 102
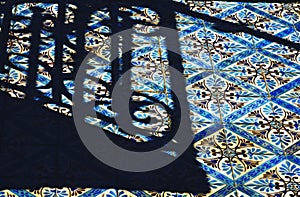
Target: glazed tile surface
column 243, row 91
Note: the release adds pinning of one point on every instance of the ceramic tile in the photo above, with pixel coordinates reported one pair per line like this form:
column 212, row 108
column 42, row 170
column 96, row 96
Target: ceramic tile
column 283, row 54
column 214, row 154
column 273, row 122
column 287, row 117
column 195, row 53
column 212, row 8
column 237, row 95
column 243, row 90
column 246, row 154
column 150, row 78
column 230, row 153
column 287, row 12
column 203, row 94
column 281, row 179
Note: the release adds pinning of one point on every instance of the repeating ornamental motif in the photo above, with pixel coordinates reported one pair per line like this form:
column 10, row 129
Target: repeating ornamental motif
column 243, row 90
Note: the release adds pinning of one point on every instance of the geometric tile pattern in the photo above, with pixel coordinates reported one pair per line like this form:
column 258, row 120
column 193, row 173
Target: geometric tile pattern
column 252, row 77
column 243, row 90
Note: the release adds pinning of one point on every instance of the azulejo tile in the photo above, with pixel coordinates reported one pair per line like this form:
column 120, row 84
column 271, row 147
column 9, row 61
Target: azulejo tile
column 285, row 12
column 235, row 94
column 225, row 52
column 290, row 94
column 272, row 123
column 261, row 20
column 242, row 194
column 243, row 90
column 196, row 59
column 150, row 65
column 286, row 122
column 155, row 78
column 285, row 55
column 203, row 95
column 213, row 153
column 230, row 154
column 280, row 180
column 7, row 192
column 214, row 8
column 294, row 36
column 215, row 186
column 163, row 194
column 126, row 193
column 263, row 72
column 246, row 153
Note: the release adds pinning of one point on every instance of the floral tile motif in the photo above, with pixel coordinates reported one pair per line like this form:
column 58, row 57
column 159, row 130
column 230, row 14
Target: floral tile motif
column 291, row 96
column 150, row 72
column 243, row 90
column 272, row 123
column 246, row 155
column 229, row 153
column 281, row 179
column 283, row 54
column 213, row 154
